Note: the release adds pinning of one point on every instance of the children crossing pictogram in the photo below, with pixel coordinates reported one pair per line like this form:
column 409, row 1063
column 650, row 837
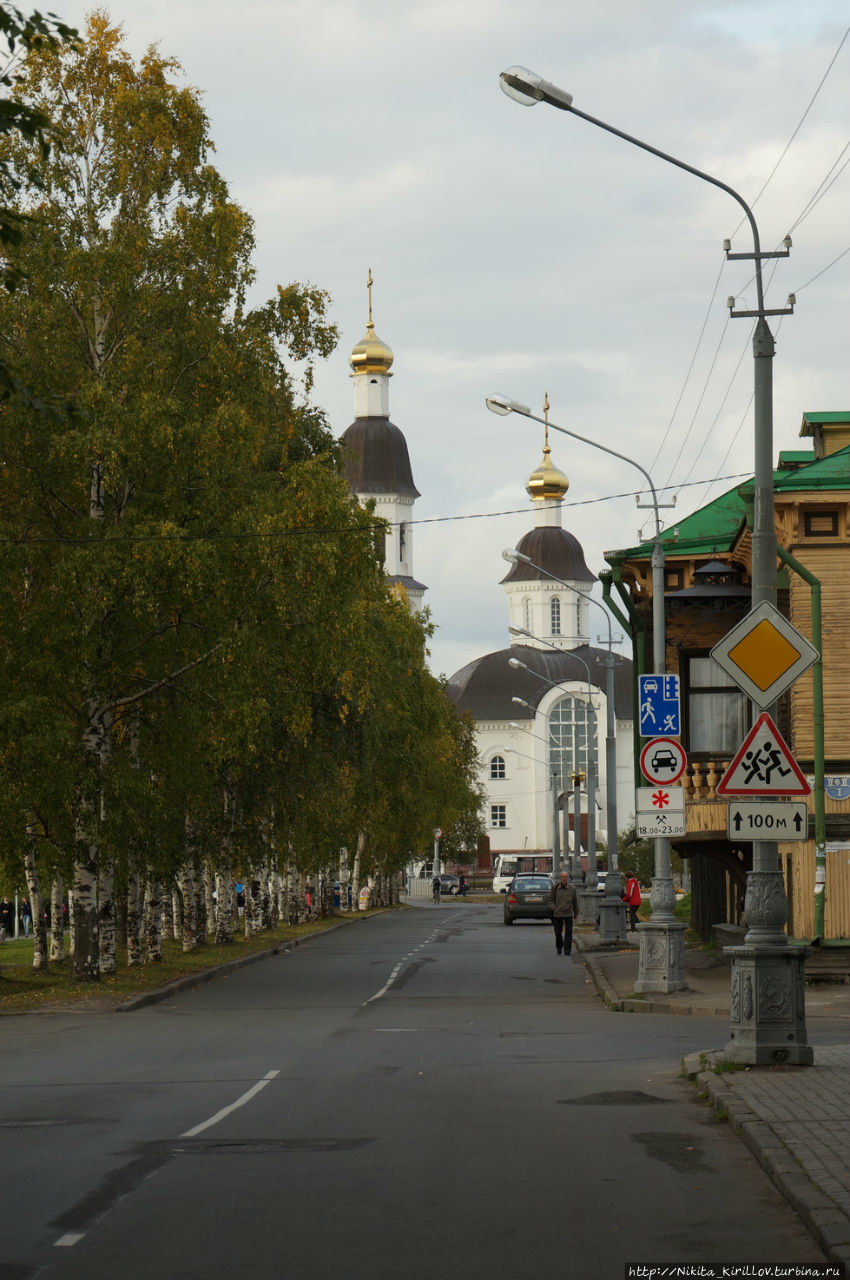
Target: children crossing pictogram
column 763, row 766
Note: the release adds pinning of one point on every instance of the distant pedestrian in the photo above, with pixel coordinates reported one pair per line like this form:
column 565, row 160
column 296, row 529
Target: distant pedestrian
column 7, row 917
column 632, row 899
column 564, row 911
column 461, row 885
column 26, row 916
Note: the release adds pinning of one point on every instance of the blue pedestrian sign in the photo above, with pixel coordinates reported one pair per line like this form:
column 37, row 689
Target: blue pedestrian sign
column 659, row 706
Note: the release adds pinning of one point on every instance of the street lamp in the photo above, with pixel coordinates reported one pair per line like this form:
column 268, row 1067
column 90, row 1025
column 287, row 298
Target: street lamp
column 766, row 961
column 662, row 949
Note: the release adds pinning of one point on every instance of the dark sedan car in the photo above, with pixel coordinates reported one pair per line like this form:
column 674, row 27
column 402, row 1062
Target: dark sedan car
column 528, row 897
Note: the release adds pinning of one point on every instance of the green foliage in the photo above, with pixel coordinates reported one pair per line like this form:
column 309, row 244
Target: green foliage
column 191, row 603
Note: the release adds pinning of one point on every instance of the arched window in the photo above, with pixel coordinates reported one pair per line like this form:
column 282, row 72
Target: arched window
column 402, row 542
column 572, row 733
column 497, row 767
column 555, row 611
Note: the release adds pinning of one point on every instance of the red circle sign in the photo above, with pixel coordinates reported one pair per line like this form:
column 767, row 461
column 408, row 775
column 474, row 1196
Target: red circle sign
column 663, row 760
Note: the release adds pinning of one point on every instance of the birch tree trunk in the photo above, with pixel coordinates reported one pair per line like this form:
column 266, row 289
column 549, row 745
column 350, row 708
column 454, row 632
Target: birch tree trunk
column 355, row 870
column 57, row 922
column 224, row 907
column 209, row 900
column 134, row 915
column 189, row 927
column 39, row 941
column 106, row 917
column 153, row 922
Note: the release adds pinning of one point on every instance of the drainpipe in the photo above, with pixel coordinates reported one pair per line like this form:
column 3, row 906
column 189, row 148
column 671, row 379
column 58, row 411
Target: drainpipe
column 817, row 690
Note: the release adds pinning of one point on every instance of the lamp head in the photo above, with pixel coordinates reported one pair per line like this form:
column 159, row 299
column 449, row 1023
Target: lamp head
column 516, row 664
column 520, row 631
column 528, row 88
column 503, row 405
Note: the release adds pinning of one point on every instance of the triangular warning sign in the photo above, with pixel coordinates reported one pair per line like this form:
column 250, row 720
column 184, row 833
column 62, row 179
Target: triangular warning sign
column 763, row 766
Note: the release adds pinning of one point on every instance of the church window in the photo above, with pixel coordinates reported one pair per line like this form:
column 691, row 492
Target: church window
column 498, row 815
column 578, row 618
column 555, row 610
column 497, row 767
column 526, row 613
column 402, row 541
column 572, row 739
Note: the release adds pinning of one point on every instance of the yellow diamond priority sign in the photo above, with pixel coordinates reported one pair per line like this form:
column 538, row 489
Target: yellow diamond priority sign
column 764, row 654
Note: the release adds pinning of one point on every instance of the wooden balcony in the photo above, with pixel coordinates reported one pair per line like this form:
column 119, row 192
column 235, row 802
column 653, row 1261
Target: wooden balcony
column 705, row 812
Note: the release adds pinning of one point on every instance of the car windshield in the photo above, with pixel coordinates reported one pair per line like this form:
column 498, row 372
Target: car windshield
column 532, row 884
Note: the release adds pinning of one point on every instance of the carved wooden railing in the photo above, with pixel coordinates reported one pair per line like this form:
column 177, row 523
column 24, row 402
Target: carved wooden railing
column 700, row 780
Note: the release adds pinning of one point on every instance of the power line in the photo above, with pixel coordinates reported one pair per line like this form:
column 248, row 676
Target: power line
column 327, row 533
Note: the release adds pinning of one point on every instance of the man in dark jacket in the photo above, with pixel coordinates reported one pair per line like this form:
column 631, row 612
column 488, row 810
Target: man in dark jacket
column 564, row 911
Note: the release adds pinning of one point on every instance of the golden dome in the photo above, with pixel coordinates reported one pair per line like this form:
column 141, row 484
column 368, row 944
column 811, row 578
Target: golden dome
column 547, row 483
column 371, row 355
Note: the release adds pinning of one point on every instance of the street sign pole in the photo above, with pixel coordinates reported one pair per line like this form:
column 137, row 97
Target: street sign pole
column 661, row 962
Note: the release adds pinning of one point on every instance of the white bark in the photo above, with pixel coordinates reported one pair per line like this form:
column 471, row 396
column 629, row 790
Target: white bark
column 153, row 922
column 57, row 922
column 189, row 929
column 134, row 917
column 355, row 870
column 39, row 943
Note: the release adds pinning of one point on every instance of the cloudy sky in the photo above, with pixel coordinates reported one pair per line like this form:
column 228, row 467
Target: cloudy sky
column 525, row 251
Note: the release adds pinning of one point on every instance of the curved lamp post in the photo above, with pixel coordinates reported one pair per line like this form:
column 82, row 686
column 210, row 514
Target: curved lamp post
column 766, row 960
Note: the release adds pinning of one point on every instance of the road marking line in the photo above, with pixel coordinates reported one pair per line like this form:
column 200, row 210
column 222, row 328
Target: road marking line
column 234, row 1106
column 397, row 970
column 65, row 1242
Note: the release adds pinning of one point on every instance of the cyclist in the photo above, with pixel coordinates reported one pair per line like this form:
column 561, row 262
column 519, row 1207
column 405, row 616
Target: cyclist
column 436, row 886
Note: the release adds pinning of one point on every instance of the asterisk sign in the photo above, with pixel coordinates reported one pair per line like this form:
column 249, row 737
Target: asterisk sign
column 661, row 799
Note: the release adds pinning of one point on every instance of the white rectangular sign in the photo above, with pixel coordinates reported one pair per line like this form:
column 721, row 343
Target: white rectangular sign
column 649, row 825
column 660, row 799
column 767, row 820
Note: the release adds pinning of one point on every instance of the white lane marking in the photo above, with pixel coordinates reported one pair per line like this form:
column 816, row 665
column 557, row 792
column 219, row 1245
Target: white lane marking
column 397, row 970
column 65, row 1242
column 234, row 1106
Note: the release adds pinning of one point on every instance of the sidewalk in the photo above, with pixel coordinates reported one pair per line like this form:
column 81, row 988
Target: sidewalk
column 795, row 1120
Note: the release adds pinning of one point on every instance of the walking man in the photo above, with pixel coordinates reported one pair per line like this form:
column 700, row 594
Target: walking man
column 564, row 911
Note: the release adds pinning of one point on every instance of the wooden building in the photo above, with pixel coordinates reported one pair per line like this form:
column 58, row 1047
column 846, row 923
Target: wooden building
column 707, row 591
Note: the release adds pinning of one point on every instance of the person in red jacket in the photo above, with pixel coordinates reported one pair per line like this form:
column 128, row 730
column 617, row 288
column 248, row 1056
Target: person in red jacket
column 632, row 900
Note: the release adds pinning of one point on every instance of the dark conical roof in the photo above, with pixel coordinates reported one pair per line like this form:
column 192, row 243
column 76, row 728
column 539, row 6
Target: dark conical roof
column 486, row 686
column 553, row 549
column 376, row 458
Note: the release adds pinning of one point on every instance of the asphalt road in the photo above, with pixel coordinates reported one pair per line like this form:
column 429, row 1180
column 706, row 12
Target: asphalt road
column 423, row 1094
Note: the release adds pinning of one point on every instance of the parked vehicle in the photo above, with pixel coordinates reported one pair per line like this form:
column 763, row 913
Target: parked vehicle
column 508, row 865
column 528, row 897
column 449, row 884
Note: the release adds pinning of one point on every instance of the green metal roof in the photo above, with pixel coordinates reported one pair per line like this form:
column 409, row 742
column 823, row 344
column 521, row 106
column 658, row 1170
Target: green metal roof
column 823, row 419
column 715, row 527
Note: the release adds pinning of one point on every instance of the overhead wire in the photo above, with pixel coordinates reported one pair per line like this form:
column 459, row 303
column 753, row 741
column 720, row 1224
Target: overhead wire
column 820, row 191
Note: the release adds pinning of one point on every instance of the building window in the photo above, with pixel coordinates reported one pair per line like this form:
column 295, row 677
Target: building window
column 498, row 815
column 572, row 735
column 820, row 524
column 673, row 579
column 526, row 613
column 555, row 610
column 578, row 618
column 717, row 710
column 497, row 767
column 402, row 542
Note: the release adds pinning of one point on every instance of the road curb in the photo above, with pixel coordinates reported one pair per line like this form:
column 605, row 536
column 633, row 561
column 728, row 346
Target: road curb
column 203, row 976
column 829, row 1225
column 629, row 1004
